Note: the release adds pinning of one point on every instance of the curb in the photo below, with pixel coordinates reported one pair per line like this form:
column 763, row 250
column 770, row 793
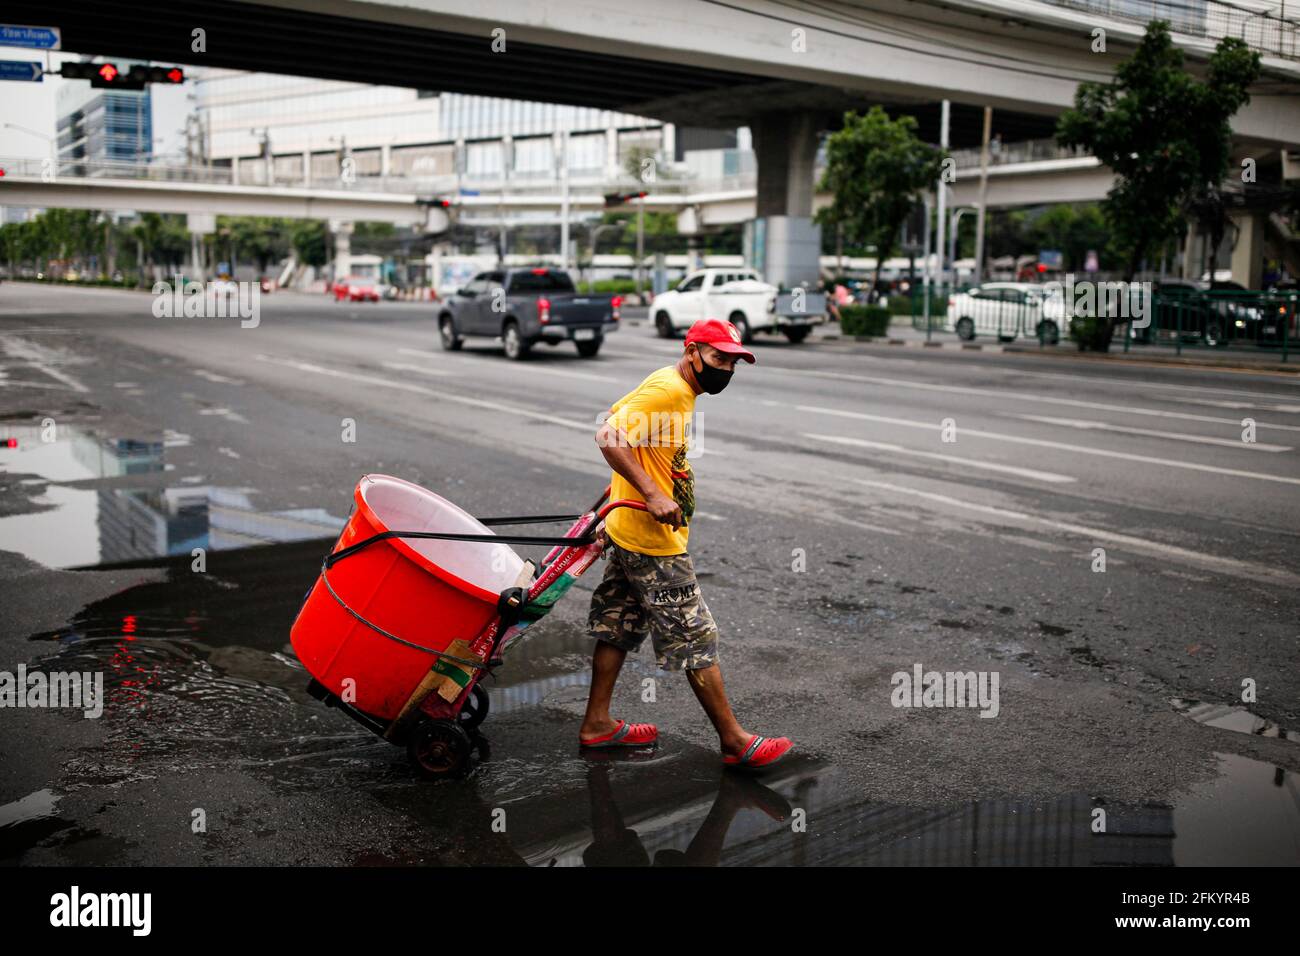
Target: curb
column 914, row 343
column 1184, row 361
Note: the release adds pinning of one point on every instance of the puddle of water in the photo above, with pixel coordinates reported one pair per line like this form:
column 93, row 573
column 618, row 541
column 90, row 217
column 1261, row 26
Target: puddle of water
column 81, row 527
column 25, row 822
column 199, row 676
column 76, row 454
column 34, row 806
column 1229, row 718
column 86, row 527
column 631, row 819
column 1248, row 816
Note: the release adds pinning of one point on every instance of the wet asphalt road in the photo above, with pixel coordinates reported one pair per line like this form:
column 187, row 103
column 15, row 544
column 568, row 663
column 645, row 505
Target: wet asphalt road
column 1117, row 689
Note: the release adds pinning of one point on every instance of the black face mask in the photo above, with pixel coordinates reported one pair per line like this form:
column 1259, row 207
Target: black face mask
column 711, row 379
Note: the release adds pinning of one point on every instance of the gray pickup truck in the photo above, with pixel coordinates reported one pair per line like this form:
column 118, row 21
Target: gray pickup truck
column 523, row 307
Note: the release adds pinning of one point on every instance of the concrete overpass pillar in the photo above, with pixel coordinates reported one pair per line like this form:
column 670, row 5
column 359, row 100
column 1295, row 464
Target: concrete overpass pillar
column 342, row 231
column 785, row 145
column 612, row 168
column 1248, row 253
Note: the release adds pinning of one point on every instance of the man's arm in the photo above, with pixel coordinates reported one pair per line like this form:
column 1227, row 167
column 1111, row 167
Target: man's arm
column 616, row 448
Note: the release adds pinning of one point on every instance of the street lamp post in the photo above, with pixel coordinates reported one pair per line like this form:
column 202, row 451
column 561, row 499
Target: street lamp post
column 595, row 234
column 50, row 140
column 954, row 221
column 640, row 242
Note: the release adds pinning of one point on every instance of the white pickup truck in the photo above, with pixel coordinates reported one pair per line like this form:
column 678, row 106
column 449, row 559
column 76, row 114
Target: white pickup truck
column 742, row 298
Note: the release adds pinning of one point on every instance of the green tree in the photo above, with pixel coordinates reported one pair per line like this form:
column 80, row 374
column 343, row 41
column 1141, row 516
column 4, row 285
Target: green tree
column 260, row 238
column 309, row 241
column 1073, row 230
column 1165, row 134
column 876, row 168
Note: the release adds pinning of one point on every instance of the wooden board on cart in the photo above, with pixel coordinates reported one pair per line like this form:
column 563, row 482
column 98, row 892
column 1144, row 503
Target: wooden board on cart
column 447, row 678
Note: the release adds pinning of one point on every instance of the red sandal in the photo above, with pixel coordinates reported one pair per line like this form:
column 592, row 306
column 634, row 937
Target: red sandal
column 761, row 752
column 624, row 735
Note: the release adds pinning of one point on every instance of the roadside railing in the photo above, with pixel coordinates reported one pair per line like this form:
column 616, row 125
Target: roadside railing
column 1025, row 151
column 1218, row 319
column 1178, row 317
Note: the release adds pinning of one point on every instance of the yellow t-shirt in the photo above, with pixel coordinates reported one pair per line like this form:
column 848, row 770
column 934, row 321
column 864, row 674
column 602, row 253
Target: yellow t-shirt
column 656, row 417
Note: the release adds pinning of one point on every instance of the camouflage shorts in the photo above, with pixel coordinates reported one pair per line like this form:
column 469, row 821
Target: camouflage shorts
column 658, row 595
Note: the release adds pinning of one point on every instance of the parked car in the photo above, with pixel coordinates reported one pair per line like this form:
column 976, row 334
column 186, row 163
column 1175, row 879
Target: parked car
column 741, row 297
column 1008, row 310
column 525, row 307
column 356, row 289
column 1212, row 314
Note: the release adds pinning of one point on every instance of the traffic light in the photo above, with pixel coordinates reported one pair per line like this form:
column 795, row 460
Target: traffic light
column 107, row 76
column 618, row 199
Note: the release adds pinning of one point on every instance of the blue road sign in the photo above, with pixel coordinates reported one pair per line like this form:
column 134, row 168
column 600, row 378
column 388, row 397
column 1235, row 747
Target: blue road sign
column 21, row 70
column 36, row 38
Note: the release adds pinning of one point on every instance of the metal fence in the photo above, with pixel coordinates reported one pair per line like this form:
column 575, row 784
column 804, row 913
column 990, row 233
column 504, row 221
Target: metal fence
column 1262, row 30
column 1178, row 316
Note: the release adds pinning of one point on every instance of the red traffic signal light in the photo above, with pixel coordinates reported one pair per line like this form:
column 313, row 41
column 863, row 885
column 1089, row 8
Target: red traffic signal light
column 107, row 76
column 618, row 199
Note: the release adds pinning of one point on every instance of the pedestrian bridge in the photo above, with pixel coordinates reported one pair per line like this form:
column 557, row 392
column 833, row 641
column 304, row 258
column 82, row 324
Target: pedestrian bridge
column 1021, row 176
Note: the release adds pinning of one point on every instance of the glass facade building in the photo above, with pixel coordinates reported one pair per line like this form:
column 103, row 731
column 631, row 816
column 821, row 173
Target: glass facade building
column 104, row 126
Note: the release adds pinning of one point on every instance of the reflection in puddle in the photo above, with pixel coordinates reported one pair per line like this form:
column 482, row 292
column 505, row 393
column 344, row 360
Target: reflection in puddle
column 199, row 677
column 81, row 527
column 1228, row 718
column 77, row 455
column 630, row 824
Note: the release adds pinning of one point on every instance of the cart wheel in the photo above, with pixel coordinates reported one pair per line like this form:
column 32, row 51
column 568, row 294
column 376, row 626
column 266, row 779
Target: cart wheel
column 475, row 708
column 438, row 749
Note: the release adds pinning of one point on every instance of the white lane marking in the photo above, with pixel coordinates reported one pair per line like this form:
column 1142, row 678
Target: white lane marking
column 853, row 522
column 1281, row 380
column 421, row 390
column 1026, row 397
column 1258, row 406
column 40, row 358
column 225, row 413
column 1232, row 566
column 516, row 367
column 5, row 380
column 214, row 377
column 422, row 369
column 965, row 462
column 650, row 345
column 1137, row 383
column 1088, row 425
column 1043, row 443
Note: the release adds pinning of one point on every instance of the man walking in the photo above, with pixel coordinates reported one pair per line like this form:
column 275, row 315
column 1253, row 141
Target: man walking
column 649, row 585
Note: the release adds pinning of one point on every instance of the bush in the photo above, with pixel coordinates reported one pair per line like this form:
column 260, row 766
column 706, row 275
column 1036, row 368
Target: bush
column 901, row 304
column 1089, row 333
column 864, row 320
column 608, row 287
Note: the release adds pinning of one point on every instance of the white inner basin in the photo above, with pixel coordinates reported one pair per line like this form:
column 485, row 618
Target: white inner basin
column 402, row 506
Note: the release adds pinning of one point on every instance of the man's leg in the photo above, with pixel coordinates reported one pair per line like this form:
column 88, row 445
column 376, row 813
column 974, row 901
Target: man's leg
column 686, row 637
column 619, row 626
column 707, row 684
column 606, row 661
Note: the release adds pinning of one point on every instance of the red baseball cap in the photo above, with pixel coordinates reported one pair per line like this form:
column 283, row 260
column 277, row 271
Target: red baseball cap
column 723, row 336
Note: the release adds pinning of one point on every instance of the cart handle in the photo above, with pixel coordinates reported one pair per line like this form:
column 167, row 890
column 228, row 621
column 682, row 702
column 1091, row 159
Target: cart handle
column 584, row 538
